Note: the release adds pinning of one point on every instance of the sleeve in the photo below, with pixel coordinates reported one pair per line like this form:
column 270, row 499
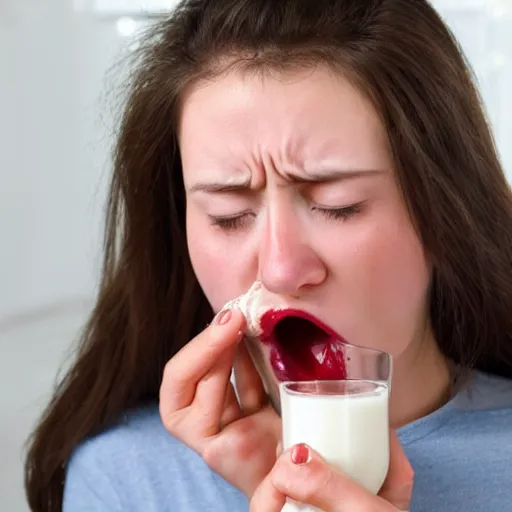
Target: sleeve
column 88, row 487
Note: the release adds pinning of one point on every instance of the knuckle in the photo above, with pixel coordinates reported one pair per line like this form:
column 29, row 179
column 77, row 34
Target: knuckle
column 178, row 426
column 245, row 439
column 170, row 375
column 212, row 454
column 243, row 447
column 236, row 444
column 170, row 420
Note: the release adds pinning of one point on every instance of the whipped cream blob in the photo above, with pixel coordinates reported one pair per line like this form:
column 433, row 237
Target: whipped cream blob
column 254, row 304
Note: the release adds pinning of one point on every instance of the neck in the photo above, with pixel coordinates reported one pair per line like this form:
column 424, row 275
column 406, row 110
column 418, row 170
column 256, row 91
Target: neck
column 421, row 382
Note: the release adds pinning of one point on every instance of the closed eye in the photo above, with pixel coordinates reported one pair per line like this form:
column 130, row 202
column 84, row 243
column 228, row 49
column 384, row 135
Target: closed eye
column 232, row 222
column 344, row 213
column 242, row 220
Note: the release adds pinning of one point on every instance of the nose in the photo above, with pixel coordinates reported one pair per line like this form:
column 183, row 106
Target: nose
column 287, row 262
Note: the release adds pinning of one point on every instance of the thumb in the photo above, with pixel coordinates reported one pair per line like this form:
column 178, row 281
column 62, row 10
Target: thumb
column 397, row 488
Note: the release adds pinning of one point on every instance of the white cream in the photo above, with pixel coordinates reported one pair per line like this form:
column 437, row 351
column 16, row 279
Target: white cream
column 254, row 304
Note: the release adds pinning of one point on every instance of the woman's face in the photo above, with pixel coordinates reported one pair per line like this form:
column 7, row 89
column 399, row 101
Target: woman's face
column 289, row 180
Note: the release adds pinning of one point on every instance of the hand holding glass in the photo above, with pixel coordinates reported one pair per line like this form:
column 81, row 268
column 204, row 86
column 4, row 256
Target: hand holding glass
column 345, row 421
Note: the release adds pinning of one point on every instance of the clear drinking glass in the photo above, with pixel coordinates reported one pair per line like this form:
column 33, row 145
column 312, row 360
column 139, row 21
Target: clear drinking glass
column 345, row 421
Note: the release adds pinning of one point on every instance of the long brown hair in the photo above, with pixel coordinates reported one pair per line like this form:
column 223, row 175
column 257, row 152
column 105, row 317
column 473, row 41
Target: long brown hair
column 401, row 55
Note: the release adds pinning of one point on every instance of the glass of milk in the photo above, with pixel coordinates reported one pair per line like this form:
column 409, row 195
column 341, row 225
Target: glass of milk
column 345, row 421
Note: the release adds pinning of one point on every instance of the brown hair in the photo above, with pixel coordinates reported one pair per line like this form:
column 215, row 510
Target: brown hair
column 402, row 56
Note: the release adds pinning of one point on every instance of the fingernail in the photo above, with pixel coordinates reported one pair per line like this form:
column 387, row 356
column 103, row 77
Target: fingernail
column 301, row 454
column 224, row 317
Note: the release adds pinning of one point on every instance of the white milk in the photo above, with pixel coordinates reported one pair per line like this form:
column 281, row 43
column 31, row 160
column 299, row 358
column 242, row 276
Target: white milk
column 351, row 430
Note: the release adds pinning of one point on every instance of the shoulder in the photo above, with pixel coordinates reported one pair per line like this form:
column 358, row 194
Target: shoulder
column 103, row 468
column 137, row 433
column 138, row 461
column 138, row 437
column 485, row 392
column 481, row 410
column 481, row 416
column 461, row 454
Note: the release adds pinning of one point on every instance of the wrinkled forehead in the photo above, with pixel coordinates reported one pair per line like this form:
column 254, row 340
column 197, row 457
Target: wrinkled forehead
column 297, row 118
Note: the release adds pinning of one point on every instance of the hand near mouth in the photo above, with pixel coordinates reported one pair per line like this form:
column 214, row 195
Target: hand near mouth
column 198, row 404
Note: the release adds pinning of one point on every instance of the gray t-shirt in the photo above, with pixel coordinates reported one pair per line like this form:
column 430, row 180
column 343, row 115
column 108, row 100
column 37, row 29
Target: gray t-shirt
column 461, row 455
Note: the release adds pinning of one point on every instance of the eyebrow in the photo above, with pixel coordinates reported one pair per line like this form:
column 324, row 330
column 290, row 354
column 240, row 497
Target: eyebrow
column 230, row 186
column 313, row 177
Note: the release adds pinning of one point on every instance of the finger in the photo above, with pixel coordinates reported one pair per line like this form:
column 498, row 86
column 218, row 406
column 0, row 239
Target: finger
column 232, row 411
column 209, row 403
column 267, row 498
column 304, row 476
column 397, row 488
column 184, row 371
column 249, row 386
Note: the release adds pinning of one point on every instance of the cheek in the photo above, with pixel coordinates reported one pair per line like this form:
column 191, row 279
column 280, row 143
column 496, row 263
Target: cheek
column 220, row 274
column 402, row 275
column 388, row 282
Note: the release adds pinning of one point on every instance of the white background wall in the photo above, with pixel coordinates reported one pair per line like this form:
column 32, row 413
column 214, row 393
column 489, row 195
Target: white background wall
column 53, row 151
column 54, row 138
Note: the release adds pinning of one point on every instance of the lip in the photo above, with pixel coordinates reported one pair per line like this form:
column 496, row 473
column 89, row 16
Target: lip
column 315, row 361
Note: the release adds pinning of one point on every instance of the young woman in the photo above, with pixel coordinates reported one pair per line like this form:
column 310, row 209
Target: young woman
column 337, row 152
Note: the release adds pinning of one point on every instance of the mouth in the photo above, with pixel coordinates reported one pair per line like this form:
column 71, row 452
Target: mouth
column 302, row 347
